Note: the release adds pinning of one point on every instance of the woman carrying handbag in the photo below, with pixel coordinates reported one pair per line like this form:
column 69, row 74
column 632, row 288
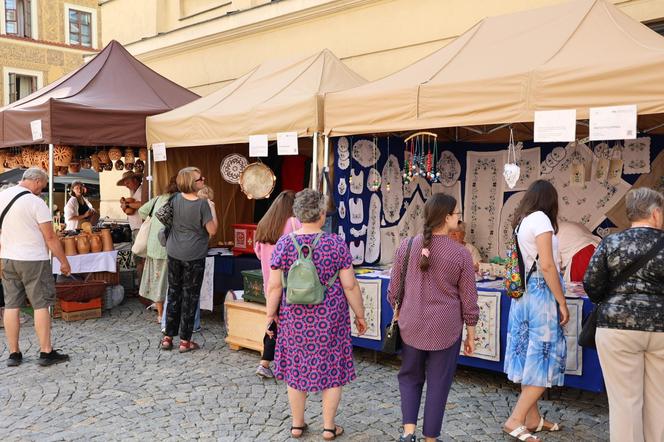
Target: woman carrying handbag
column 439, row 296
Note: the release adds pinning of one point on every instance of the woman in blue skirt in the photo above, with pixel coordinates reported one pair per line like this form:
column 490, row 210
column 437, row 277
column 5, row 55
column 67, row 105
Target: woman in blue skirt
column 536, row 348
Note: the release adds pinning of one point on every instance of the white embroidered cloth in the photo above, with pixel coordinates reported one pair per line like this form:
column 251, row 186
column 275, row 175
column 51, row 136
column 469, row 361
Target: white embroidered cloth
column 637, row 156
column 371, row 295
column 90, row 262
column 207, row 289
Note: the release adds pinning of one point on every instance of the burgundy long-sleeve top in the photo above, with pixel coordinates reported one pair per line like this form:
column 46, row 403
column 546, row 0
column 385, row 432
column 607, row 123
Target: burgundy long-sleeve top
column 439, row 301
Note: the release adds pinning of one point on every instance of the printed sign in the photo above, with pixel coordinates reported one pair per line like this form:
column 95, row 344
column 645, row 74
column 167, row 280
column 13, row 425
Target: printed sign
column 159, row 151
column 613, row 123
column 257, row 145
column 287, row 143
column 554, row 126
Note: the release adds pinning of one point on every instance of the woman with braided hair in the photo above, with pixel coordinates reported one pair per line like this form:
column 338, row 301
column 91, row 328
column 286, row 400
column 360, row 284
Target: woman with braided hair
column 439, row 298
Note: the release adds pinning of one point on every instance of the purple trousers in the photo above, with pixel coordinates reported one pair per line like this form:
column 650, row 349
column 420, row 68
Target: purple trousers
column 437, row 369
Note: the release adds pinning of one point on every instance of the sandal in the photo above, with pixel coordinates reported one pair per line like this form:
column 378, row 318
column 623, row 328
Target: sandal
column 336, row 432
column 542, row 427
column 186, row 346
column 167, row 343
column 301, row 429
column 521, row 433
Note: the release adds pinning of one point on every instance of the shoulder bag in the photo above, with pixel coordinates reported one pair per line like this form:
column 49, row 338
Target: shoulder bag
column 589, row 327
column 165, row 216
column 140, row 246
column 392, row 342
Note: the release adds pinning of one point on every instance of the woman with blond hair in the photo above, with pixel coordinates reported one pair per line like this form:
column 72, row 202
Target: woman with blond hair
column 439, row 297
column 277, row 221
column 187, row 245
column 626, row 278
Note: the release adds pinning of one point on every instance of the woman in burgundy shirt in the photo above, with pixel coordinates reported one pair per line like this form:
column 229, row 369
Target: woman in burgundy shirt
column 439, row 297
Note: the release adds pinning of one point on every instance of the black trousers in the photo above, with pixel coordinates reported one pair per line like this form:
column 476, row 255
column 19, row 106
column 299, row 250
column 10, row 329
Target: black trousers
column 185, row 279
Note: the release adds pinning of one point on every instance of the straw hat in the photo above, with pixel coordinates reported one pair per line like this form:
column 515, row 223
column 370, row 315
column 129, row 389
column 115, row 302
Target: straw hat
column 129, row 175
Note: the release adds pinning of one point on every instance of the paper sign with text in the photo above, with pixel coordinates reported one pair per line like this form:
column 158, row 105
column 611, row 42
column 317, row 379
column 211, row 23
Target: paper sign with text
column 257, row 145
column 159, row 151
column 613, row 123
column 555, row 126
column 287, row 143
column 36, row 129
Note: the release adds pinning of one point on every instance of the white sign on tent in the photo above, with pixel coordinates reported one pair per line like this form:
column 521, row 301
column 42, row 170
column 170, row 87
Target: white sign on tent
column 159, row 151
column 287, row 143
column 554, row 126
column 257, row 145
column 613, row 123
column 36, row 129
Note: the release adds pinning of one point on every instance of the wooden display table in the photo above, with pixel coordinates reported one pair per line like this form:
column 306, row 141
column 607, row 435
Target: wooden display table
column 245, row 325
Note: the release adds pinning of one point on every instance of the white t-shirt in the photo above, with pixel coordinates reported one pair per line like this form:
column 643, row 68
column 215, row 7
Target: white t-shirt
column 21, row 239
column 135, row 220
column 531, row 227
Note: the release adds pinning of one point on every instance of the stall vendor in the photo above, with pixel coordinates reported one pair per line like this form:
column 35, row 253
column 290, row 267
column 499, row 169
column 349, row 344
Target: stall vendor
column 459, row 235
column 130, row 206
column 577, row 245
column 78, row 208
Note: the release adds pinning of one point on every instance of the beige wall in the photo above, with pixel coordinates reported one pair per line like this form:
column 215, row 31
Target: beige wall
column 374, row 37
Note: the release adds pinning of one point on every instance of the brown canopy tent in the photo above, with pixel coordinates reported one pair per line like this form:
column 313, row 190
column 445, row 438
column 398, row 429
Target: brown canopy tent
column 581, row 54
column 104, row 102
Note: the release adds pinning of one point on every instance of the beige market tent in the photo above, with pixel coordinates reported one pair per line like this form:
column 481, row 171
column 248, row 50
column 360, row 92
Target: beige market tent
column 580, row 54
column 277, row 96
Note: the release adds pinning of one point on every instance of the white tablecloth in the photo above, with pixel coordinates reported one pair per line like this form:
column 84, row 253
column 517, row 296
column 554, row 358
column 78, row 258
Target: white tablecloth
column 90, row 262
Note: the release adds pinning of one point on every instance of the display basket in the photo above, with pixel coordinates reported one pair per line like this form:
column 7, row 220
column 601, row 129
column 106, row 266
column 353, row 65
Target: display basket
column 80, row 291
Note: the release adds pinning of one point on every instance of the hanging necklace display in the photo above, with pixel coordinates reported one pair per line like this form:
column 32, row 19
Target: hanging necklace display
column 419, row 158
column 373, row 178
column 511, row 170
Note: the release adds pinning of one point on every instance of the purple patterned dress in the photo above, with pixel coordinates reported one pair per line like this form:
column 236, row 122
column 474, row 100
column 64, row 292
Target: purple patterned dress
column 314, row 350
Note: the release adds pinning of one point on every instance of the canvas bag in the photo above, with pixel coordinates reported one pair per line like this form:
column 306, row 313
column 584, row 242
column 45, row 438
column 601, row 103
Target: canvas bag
column 514, row 279
column 140, row 246
column 302, row 284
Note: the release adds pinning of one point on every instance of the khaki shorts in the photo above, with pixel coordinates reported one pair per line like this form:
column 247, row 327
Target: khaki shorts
column 33, row 279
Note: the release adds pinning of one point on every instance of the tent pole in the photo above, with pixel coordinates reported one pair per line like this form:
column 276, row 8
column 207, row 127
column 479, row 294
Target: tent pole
column 315, row 163
column 149, row 178
column 50, row 179
column 326, row 161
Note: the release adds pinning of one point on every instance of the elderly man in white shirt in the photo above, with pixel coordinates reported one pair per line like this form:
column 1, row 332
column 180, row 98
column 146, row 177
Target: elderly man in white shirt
column 460, row 236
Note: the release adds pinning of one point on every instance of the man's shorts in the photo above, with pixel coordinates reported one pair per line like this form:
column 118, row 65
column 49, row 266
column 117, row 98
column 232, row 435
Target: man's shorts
column 31, row 279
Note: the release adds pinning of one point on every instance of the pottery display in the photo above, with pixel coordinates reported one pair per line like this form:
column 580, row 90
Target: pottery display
column 83, row 244
column 27, row 156
column 62, row 155
column 95, row 162
column 106, row 240
column 119, row 165
column 143, row 153
column 129, row 157
column 103, row 157
column 108, row 166
column 74, row 168
column 139, row 166
column 96, row 244
column 69, row 244
column 114, row 153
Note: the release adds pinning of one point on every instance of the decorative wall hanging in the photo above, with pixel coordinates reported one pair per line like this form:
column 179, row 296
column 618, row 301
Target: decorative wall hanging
column 366, row 153
column 506, row 218
column 343, row 145
column 129, row 157
column 357, row 252
column 615, row 166
column 389, row 243
column 552, row 159
column 95, row 163
column 511, row 170
column 454, row 191
column 356, row 181
column 114, row 153
column 344, row 162
column 257, row 181
column 27, row 156
column 572, row 329
column 530, row 165
column 412, row 221
column 343, row 153
column 103, row 157
column 342, row 234
column 356, row 210
column 600, row 166
column 637, row 156
column 483, row 200
column 341, row 186
column 231, row 167
column 358, row 232
column 392, row 190
column 342, row 209
column 62, row 155
column 371, row 296
column 422, row 148
column 411, row 186
column 119, row 165
column 373, row 180
column 143, row 154
column 449, row 168
column 487, row 330
column 586, row 204
column 373, row 232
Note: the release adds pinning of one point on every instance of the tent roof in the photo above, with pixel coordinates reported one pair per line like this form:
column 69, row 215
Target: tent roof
column 580, row 54
column 104, row 102
column 277, row 96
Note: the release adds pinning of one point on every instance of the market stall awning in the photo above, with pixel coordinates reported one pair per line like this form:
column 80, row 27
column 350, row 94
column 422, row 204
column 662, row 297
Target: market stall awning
column 104, row 102
column 277, row 96
column 86, row 176
column 580, row 54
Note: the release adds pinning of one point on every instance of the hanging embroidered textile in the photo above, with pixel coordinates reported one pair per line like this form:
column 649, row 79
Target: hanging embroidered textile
column 454, row 191
column 356, row 209
column 357, row 252
column 342, row 209
column 389, row 243
column 341, row 187
column 637, row 156
column 449, row 168
column 392, row 190
column 366, row 153
column 373, row 232
column 484, row 200
column 529, row 164
column 506, row 218
column 572, row 329
column 412, row 222
column 487, row 330
column 356, row 181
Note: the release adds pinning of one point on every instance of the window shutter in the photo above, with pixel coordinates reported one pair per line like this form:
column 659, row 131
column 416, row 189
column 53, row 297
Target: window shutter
column 13, row 92
column 28, row 18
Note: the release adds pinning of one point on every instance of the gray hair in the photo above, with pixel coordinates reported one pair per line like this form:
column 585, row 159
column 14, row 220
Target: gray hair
column 35, row 174
column 308, row 206
column 641, row 202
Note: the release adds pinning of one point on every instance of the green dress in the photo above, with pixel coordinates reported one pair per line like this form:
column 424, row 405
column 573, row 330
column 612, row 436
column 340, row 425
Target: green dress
column 154, row 282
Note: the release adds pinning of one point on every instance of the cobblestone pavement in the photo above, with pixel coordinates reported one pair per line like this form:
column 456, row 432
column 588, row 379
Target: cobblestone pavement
column 118, row 385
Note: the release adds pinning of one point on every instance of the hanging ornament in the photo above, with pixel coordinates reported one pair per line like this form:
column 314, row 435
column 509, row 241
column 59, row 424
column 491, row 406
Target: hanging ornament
column 511, row 171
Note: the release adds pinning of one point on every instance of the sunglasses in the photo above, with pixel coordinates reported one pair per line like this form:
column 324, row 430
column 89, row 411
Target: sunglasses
column 200, row 179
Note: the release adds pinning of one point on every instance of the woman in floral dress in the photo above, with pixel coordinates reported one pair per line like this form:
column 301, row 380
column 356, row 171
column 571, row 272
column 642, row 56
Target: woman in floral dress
column 314, row 350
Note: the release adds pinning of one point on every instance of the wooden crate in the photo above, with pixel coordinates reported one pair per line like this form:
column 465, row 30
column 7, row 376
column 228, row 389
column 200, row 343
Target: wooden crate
column 82, row 315
column 73, row 306
column 245, row 323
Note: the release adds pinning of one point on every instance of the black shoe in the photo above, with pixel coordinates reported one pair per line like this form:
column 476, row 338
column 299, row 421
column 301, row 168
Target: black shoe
column 15, row 359
column 46, row 359
column 408, row 438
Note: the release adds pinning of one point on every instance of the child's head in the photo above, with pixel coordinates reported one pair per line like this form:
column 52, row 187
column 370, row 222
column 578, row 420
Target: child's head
column 206, row 193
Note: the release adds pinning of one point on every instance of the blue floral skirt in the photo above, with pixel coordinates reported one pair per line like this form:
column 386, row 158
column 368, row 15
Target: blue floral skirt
column 536, row 350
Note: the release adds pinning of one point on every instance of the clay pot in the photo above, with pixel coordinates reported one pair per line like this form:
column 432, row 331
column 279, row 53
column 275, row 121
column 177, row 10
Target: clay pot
column 143, row 153
column 27, row 156
column 119, row 165
column 82, row 244
column 139, row 166
column 114, row 153
column 129, row 156
column 62, row 155
column 42, row 159
column 86, row 163
column 14, row 161
column 106, row 240
column 108, row 166
column 103, row 157
column 69, row 244
column 61, row 171
column 96, row 244
column 74, row 168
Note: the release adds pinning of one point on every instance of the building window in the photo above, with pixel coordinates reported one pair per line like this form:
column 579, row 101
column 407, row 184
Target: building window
column 20, row 86
column 80, row 25
column 18, row 18
column 657, row 26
